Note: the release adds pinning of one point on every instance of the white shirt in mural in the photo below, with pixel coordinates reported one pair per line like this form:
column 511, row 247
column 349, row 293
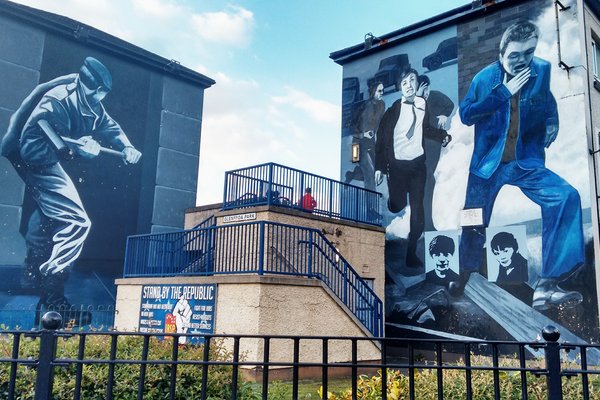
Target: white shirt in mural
column 408, row 143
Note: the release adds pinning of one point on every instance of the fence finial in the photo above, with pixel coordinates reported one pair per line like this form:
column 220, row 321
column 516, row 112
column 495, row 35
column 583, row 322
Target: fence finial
column 550, row 333
column 52, row 320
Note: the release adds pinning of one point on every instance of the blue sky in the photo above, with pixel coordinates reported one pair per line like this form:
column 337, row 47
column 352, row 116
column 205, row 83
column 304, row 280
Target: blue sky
column 278, row 94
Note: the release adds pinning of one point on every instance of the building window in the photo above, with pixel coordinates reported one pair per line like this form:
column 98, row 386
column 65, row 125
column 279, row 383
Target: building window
column 596, row 59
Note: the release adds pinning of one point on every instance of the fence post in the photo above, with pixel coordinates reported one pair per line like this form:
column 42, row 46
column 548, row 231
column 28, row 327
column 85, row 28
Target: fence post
column 209, row 249
column 551, row 335
column 261, row 250
column 51, row 321
column 270, row 185
column 310, row 252
column 345, row 283
column 356, row 207
column 330, row 213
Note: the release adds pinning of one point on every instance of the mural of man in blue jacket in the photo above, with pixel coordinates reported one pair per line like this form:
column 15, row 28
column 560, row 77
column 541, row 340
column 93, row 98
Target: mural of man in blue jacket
column 516, row 119
column 60, row 119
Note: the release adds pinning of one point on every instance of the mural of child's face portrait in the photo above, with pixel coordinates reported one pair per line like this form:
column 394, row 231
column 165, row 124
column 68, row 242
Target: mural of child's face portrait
column 504, row 256
column 442, row 263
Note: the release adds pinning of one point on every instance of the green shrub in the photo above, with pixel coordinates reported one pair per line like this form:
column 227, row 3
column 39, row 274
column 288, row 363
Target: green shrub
column 455, row 384
column 126, row 372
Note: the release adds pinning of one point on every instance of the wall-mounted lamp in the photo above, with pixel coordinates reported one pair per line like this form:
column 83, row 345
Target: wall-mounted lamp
column 355, row 152
column 370, row 39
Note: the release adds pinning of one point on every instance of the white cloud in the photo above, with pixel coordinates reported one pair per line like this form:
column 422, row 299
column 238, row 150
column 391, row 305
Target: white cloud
column 165, row 27
column 319, row 110
column 243, row 126
column 232, row 26
column 451, row 177
column 399, row 227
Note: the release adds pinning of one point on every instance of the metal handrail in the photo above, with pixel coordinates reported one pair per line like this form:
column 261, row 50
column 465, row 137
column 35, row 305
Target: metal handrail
column 209, row 221
column 275, row 184
column 240, row 249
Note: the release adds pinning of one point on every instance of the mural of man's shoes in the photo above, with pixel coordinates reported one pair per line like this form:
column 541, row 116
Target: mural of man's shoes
column 30, row 277
column 548, row 294
column 71, row 316
column 355, row 175
column 457, row 288
column 53, row 299
column 413, row 261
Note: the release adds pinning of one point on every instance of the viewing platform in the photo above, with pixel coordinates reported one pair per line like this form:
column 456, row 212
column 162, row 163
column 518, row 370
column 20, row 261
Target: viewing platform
column 274, row 184
column 277, row 267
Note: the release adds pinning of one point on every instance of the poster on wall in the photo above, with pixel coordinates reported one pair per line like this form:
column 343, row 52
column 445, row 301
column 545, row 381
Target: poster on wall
column 178, row 309
column 484, row 121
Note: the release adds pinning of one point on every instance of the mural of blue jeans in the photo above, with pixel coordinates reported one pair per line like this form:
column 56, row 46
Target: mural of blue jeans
column 562, row 235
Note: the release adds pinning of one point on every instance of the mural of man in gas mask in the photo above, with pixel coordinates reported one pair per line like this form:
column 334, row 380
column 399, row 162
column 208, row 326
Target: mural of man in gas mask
column 516, row 118
column 60, row 119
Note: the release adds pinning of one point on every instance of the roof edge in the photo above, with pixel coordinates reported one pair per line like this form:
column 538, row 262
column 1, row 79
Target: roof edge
column 468, row 11
column 86, row 34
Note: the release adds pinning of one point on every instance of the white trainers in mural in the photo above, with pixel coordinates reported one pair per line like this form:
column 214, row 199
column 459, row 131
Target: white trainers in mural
column 548, row 294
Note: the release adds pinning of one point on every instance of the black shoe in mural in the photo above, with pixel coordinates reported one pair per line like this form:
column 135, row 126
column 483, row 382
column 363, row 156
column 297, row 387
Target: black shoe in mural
column 30, row 277
column 548, row 294
column 53, row 299
column 457, row 288
column 413, row 261
column 355, row 175
column 71, row 316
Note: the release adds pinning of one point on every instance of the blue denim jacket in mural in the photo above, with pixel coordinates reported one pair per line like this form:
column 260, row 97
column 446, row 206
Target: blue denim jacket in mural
column 487, row 106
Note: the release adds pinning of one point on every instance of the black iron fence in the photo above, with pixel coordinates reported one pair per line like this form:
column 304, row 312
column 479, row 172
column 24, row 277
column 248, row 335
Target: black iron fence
column 27, row 316
column 53, row 364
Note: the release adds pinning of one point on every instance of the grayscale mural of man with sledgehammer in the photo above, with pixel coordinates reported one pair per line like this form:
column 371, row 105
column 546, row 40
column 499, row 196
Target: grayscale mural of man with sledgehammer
column 59, row 120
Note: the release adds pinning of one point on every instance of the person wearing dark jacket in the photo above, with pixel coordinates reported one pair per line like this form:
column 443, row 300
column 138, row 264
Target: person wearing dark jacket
column 512, row 266
column 440, row 109
column 399, row 154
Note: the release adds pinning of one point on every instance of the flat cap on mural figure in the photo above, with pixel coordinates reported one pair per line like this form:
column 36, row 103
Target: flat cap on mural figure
column 516, row 118
column 65, row 113
column 93, row 72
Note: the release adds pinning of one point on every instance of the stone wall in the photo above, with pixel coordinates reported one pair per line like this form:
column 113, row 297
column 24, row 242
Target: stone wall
column 363, row 246
column 255, row 305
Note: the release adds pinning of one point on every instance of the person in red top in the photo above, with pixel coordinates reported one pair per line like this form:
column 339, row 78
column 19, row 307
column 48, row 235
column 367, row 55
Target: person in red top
column 308, row 203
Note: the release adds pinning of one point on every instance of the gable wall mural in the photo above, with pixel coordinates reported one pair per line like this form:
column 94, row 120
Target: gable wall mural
column 95, row 147
column 477, row 140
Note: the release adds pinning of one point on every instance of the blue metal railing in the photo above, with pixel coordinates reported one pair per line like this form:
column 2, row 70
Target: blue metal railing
column 274, row 184
column 255, row 248
column 210, row 221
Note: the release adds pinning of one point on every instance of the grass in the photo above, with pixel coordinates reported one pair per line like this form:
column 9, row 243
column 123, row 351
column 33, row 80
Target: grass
column 307, row 388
